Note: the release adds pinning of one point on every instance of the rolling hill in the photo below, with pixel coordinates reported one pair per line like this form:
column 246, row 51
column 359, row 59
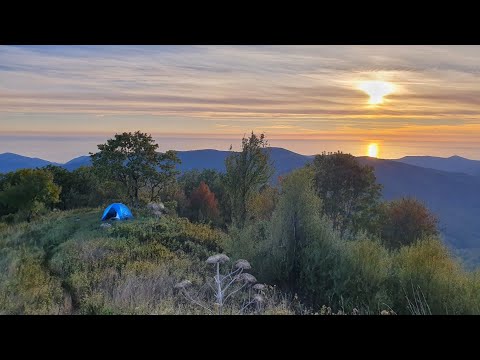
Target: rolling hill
column 453, row 196
column 451, row 164
column 284, row 161
column 11, row 162
column 77, row 162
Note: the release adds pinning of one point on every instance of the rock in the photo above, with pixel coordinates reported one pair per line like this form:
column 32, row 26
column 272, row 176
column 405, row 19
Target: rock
column 156, row 209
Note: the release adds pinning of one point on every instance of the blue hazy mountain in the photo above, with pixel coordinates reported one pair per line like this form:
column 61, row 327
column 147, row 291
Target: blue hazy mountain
column 11, row 162
column 77, row 162
column 283, row 160
column 453, row 196
column 451, row 164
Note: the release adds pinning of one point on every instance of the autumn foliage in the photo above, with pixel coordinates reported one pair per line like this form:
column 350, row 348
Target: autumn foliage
column 204, row 203
column 405, row 221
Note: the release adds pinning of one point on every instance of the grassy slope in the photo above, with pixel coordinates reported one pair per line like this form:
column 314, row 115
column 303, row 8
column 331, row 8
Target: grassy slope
column 66, row 263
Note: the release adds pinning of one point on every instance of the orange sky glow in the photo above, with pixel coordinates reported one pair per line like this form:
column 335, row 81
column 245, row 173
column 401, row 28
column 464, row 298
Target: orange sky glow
column 410, row 100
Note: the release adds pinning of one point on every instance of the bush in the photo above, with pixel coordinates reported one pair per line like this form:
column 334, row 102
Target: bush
column 176, row 234
column 363, row 276
column 404, row 221
column 427, row 280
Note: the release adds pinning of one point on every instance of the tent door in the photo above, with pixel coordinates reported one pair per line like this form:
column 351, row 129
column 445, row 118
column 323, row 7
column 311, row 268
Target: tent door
column 112, row 213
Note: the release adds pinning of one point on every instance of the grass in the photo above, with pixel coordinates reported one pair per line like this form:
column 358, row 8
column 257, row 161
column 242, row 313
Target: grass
column 65, row 263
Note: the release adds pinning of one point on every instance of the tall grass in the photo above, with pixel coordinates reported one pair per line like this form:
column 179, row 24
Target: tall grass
column 65, row 263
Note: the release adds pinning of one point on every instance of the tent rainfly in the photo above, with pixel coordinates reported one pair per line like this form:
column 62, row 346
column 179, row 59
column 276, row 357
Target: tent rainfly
column 117, row 211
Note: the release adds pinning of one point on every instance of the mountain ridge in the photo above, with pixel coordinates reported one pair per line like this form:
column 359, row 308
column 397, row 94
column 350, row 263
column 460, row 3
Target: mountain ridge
column 453, row 163
column 453, row 196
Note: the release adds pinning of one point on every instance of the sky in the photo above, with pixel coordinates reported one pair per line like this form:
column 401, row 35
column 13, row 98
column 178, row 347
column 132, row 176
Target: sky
column 59, row 102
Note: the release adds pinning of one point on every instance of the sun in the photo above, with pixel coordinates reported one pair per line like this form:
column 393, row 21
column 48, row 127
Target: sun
column 372, row 150
column 376, row 90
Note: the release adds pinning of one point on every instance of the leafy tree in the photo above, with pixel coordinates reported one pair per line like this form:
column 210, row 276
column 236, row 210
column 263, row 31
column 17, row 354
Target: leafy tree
column 246, row 172
column 297, row 248
column 261, row 205
column 27, row 192
column 64, row 179
column 349, row 192
column 190, row 180
column 406, row 220
column 131, row 159
column 83, row 188
column 204, row 203
column 293, row 226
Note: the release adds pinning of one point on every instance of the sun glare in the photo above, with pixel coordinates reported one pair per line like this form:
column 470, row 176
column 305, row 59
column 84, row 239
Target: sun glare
column 372, row 150
column 376, row 90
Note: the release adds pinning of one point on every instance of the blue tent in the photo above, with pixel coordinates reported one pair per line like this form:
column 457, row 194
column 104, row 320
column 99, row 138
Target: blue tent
column 117, row 211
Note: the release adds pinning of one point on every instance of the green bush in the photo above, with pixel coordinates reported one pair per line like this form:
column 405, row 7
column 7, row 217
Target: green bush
column 364, row 273
column 30, row 289
column 427, row 280
column 176, row 234
column 65, row 262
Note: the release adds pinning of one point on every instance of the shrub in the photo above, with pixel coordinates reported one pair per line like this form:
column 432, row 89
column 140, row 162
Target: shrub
column 406, row 220
column 426, row 278
column 176, row 234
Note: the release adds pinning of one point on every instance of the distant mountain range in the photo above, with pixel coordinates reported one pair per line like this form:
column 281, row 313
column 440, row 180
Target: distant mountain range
column 451, row 164
column 450, row 187
column 454, row 197
column 11, row 162
column 284, row 161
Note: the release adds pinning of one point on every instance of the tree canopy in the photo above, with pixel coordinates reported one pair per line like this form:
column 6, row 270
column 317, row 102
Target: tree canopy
column 27, row 192
column 246, row 172
column 406, row 220
column 132, row 159
column 349, row 192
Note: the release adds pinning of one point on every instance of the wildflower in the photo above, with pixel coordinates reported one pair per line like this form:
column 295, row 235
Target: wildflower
column 258, row 287
column 183, row 284
column 243, row 264
column 248, row 278
column 218, row 259
column 258, row 298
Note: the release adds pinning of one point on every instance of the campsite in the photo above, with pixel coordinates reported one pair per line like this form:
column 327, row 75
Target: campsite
column 130, row 234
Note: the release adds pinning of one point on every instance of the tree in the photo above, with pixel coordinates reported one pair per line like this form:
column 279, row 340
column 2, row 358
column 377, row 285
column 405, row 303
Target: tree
column 132, row 160
column 297, row 247
column 406, row 220
column 27, row 192
column 349, row 192
column 64, row 179
column 83, row 188
column 204, row 203
column 261, row 205
column 246, row 172
column 293, row 222
column 191, row 179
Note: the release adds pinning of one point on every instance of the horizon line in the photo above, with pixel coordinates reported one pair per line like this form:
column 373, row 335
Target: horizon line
column 272, row 147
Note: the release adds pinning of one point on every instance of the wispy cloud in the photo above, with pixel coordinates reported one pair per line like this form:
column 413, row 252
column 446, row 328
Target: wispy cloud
column 285, row 90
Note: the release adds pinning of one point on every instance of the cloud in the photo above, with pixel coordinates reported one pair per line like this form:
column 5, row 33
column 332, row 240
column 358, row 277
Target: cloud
column 231, row 89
